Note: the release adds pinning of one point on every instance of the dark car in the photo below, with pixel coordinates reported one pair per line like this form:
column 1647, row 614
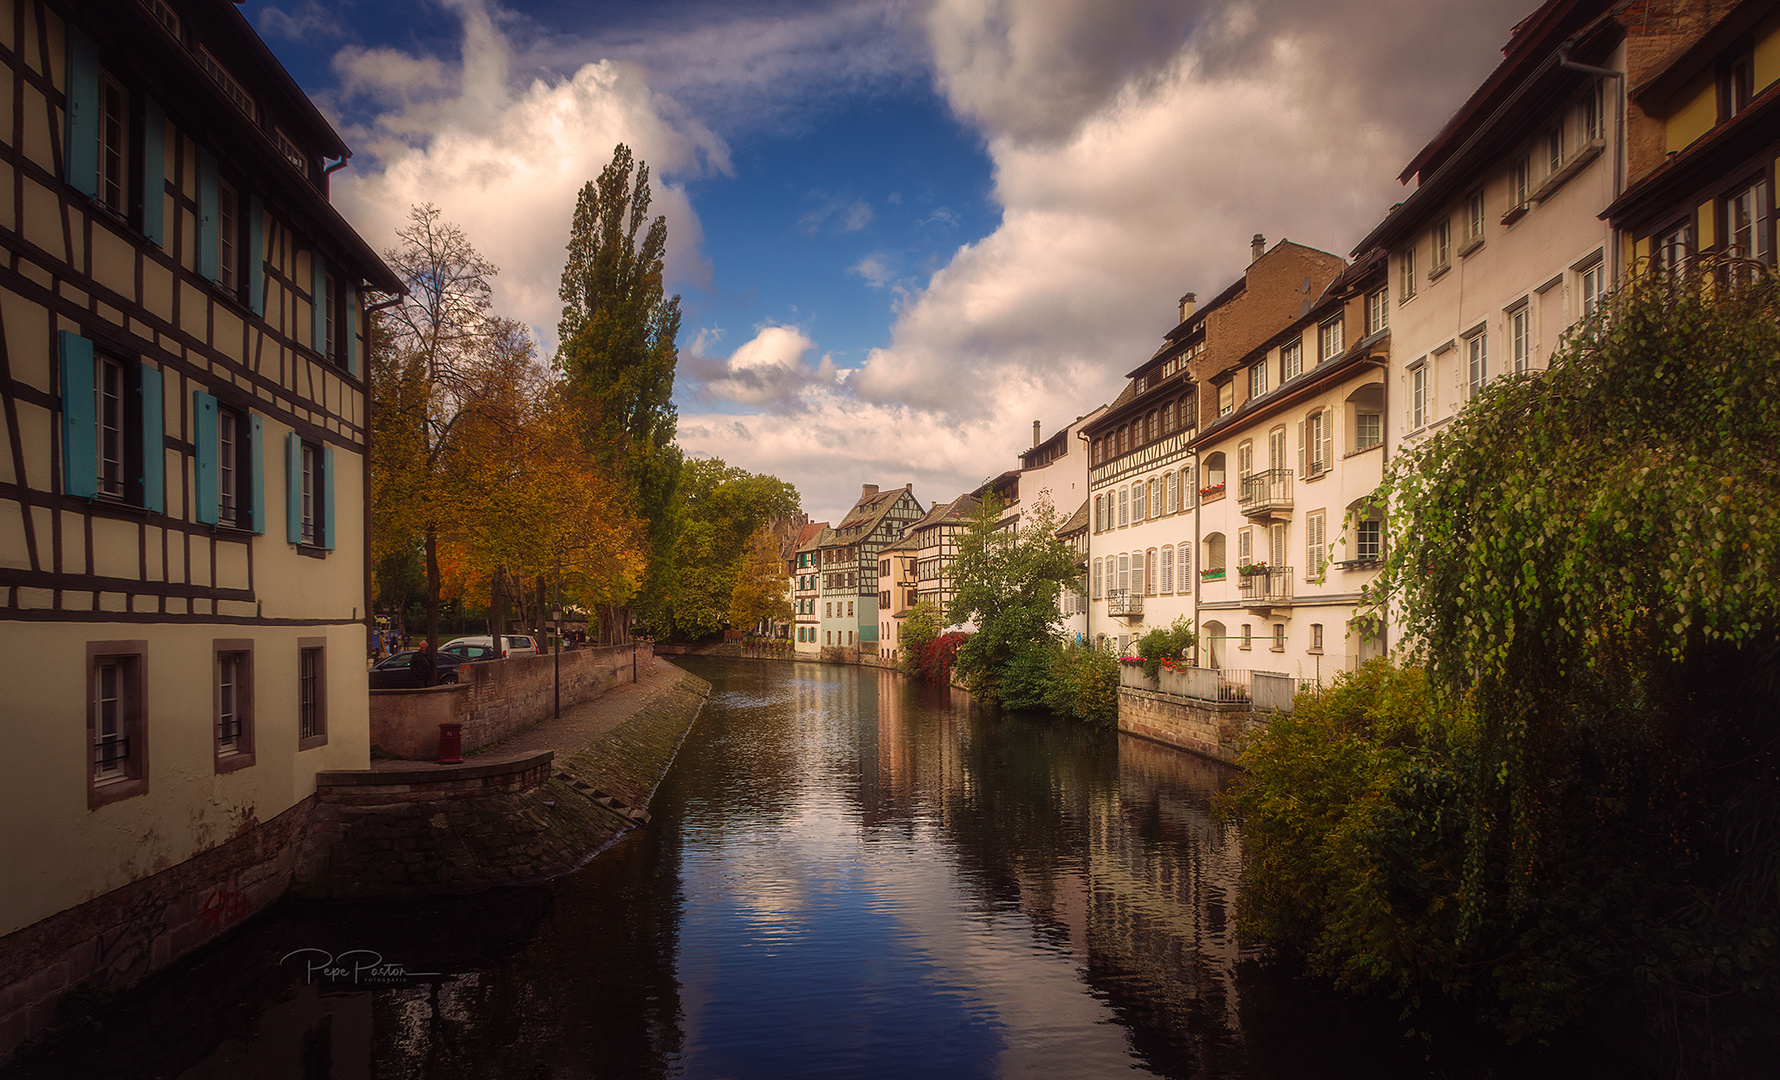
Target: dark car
column 469, row 650
column 400, row 672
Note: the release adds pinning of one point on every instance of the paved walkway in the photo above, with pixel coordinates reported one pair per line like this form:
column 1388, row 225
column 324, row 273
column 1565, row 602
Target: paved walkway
column 578, row 726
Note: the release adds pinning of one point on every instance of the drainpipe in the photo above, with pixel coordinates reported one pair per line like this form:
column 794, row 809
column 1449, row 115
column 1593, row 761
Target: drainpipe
column 1564, row 61
column 1088, row 624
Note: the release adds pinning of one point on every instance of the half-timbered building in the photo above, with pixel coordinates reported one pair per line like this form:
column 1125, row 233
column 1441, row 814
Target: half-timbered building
column 183, row 496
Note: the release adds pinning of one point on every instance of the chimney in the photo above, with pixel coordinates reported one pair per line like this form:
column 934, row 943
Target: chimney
column 1257, row 248
column 1035, row 439
column 866, row 491
column 1187, row 304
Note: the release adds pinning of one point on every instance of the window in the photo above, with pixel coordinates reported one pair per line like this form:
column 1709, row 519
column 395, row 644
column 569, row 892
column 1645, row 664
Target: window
column 1316, row 551
column 108, row 407
column 1477, row 362
column 1139, row 504
column 1474, row 218
column 1167, row 570
column 1368, row 429
column 1245, row 459
column 1100, row 513
column 231, row 86
column 1291, row 359
column 1520, row 337
column 1248, row 637
column 1214, row 554
column 1124, row 507
column 1155, row 497
column 1554, row 149
column 1167, row 418
column 1097, row 592
column 1245, row 547
column 229, row 453
column 1279, row 637
column 1442, row 247
column 234, row 704
column 1329, row 340
column 1138, row 570
column 1214, row 473
column 1746, row 227
column 1406, row 276
column 310, row 510
column 114, row 147
column 1369, row 538
column 1276, row 448
column 1226, row 398
column 1316, row 449
column 1257, row 380
column 1170, row 493
column 1124, row 574
column 1378, row 311
column 1736, row 85
column 1590, row 288
column 112, row 422
column 849, row 609
column 1594, row 112
column 291, row 151
column 1669, row 252
column 116, row 721
column 1520, row 183
column 228, row 225
column 1316, row 637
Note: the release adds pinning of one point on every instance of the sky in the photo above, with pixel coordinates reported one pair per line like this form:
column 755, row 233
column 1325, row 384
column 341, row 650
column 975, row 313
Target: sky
column 901, row 230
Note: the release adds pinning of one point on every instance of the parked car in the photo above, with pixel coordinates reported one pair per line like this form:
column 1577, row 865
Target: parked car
column 469, row 650
column 399, row 672
column 509, row 645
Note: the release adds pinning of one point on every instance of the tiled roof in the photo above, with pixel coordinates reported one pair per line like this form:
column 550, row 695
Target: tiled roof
column 1077, row 521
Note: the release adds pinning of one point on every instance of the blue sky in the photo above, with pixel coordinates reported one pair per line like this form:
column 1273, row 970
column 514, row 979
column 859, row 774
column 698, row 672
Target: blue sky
column 902, row 229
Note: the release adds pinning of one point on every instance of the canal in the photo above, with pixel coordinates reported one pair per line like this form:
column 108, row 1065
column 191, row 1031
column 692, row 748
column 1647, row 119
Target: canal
column 848, row 875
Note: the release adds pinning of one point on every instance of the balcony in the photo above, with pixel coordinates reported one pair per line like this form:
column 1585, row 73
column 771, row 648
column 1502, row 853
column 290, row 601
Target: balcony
column 1266, row 586
column 1126, row 604
column 1267, row 494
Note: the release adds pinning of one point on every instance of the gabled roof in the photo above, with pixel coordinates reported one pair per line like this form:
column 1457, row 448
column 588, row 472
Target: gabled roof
column 811, row 537
column 1078, row 521
column 959, row 509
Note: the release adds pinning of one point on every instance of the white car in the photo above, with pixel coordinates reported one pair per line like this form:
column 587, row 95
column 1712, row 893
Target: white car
column 510, row 644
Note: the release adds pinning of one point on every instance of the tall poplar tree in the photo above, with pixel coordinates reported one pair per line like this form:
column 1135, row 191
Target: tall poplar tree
column 616, row 347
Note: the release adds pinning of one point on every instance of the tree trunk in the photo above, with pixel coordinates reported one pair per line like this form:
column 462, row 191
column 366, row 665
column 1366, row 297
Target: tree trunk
column 432, row 591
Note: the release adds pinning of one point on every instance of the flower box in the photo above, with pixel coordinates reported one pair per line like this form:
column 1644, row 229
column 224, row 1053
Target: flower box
column 1208, row 492
column 1211, row 575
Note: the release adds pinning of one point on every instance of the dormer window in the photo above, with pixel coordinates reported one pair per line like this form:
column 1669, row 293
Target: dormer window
column 232, row 87
column 163, row 14
column 1736, row 86
column 288, row 147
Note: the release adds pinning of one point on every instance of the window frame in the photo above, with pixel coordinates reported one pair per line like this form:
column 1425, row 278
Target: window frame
column 312, row 678
column 132, row 721
column 1520, row 336
column 1420, row 401
column 240, row 652
column 1291, row 359
column 1476, row 213
column 1441, row 236
column 1257, row 379
column 1378, row 310
column 1406, row 275
column 1331, row 339
column 1476, row 362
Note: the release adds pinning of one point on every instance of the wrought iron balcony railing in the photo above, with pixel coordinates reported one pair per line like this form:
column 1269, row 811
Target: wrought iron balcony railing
column 1266, row 492
column 1267, row 585
column 1123, row 602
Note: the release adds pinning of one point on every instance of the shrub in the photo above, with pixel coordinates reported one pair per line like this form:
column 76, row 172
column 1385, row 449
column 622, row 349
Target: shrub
column 1165, row 643
column 1083, row 683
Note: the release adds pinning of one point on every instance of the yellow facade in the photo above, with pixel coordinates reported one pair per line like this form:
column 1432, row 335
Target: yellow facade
column 191, row 289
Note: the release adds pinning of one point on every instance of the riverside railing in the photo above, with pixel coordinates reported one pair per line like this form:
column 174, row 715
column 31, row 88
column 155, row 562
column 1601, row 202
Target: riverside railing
column 1265, row 691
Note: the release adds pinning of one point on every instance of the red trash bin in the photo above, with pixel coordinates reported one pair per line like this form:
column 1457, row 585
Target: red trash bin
column 451, row 744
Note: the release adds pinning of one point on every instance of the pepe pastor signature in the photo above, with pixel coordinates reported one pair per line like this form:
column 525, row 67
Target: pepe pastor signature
column 353, row 965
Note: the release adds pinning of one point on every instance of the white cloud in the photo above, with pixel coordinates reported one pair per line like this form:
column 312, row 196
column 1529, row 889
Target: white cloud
column 1136, row 146
column 846, row 214
column 772, row 370
column 874, row 270
column 309, row 20
column 505, row 160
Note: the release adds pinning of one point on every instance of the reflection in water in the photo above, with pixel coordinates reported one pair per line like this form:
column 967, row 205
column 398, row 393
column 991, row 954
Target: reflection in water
column 848, row 874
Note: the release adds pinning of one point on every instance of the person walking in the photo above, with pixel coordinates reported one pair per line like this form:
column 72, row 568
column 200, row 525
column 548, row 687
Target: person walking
column 427, row 664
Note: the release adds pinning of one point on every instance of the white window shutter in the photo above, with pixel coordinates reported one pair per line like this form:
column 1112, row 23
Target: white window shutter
column 1328, row 438
column 1302, row 456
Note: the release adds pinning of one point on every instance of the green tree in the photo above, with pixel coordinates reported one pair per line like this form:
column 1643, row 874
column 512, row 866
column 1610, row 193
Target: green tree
column 1083, row 683
column 1587, row 562
column 1007, row 582
column 721, row 508
column 617, row 349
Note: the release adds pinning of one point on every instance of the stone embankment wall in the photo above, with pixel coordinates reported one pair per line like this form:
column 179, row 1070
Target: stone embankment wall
column 494, row 700
column 1213, row 729
column 465, row 828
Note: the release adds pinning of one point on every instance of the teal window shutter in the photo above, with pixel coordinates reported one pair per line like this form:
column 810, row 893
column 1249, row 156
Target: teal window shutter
column 154, row 442
column 154, row 173
column 256, row 255
column 83, row 118
column 349, row 304
column 293, row 488
column 256, row 480
column 207, row 214
column 80, row 433
column 204, row 435
column 327, row 498
column 318, row 293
